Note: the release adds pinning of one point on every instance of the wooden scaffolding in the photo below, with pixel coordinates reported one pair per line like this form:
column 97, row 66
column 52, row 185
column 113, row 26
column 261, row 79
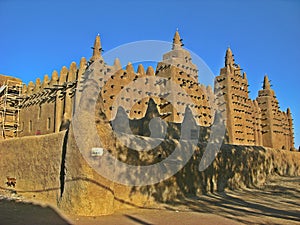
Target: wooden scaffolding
column 10, row 98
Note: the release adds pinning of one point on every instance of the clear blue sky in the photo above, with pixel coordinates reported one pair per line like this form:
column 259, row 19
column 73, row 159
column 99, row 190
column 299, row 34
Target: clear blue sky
column 40, row 36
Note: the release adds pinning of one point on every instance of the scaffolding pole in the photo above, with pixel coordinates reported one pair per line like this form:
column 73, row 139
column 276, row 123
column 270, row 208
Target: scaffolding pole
column 10, row 99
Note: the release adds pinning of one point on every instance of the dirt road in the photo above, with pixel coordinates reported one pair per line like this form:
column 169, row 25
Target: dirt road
column 277, row 203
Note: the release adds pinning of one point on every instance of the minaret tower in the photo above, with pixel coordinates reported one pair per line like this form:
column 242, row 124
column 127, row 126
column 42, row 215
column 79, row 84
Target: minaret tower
column 265, row 100
column 177, row 66
column 229, row 60
column 277, row 127
column 290, row 130
column 231, row 87
column 181, row 58
column 97, row 49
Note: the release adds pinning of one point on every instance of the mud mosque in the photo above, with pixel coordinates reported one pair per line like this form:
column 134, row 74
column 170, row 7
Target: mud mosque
column 41, row 107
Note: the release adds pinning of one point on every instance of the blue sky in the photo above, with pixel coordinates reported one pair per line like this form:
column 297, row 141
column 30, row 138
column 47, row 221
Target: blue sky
column 40, row 36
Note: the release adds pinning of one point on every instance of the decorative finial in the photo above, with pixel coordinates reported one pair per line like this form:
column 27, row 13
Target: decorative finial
column 117, row 64
column 141, row 69
column 229, row 60
column 97, row 49
column 150, row 71
column 177, row 41
column 129, row 68
column 266, row 84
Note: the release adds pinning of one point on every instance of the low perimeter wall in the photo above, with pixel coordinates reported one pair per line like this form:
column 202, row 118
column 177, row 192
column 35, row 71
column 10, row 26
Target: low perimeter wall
column 51, row 169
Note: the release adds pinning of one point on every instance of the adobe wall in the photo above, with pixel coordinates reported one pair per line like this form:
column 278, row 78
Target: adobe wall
column 49, row 170
column 191, row 93
column 46, row 103
column 35, row 162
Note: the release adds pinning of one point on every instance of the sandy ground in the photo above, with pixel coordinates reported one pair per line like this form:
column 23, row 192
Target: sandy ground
column 277, row 203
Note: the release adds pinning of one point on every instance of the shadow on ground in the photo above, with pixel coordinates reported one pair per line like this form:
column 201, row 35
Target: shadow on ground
column 20, row 213
column 277, row 203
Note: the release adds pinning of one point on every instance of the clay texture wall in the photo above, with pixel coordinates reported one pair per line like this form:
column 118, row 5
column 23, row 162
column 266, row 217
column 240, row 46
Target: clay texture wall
column 242, row 113
column 277, row 129
column 257, row 122
column 124, row 88
column 50, row 168
column 36, row 163
column 47, row 104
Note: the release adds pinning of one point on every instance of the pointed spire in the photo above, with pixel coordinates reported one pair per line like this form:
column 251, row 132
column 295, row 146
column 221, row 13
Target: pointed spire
column 141, row 69
column 37, row 85
column 117, row 64
column 82, row 63
column 266, row 85
column 72, row 72
column 63, row 75
column 177, row 41
column 82, row 66
column 54, row 78
column 244, row 75
column 229, row 60
column 45, row 81
column 129, row 68
column 97, row 49
column 150, row 71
